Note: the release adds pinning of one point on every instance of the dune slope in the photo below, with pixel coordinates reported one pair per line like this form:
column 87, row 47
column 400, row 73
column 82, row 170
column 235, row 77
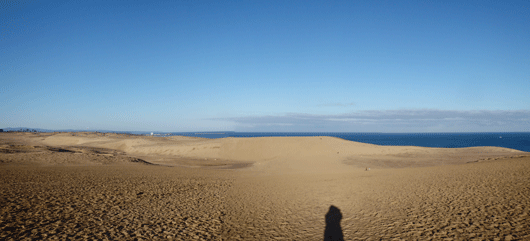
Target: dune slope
column 279, row 154
column 110, row 186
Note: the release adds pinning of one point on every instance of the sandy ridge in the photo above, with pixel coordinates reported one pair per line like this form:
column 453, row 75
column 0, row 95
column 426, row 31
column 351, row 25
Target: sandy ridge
column 278, row 154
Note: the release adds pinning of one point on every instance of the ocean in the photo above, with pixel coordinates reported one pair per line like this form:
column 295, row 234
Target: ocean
column 518, row 141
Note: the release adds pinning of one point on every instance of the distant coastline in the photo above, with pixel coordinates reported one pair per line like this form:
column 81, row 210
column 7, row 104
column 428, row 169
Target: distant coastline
column 514, row 140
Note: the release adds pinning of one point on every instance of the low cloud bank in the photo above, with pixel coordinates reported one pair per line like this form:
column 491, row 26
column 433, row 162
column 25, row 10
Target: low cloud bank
column 390, row 121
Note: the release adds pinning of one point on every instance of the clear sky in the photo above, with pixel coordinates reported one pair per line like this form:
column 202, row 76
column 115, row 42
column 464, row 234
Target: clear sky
column 350, row 66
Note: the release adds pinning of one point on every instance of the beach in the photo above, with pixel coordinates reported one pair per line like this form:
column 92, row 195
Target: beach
column 118, row 186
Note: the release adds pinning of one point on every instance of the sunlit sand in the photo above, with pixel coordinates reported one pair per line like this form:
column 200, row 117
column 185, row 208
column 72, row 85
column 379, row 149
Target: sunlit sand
column 113, row 186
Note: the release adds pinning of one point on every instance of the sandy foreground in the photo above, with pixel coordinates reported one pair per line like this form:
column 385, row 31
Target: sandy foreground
column 113, row 186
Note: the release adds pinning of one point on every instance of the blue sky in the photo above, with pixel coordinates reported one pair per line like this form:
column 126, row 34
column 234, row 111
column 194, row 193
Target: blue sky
column 352, row 66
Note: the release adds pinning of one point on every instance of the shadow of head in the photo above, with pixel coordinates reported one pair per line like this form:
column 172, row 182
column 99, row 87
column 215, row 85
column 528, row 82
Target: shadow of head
column 333, row 230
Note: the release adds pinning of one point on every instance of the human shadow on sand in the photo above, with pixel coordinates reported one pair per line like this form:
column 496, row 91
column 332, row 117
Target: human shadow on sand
column 333, row 231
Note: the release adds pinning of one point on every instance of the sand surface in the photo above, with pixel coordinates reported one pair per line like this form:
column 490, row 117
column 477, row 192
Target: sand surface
column 114, row 186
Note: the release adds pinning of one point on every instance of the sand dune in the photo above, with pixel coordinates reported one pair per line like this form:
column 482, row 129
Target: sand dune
column 113, row 186
column 280, row 154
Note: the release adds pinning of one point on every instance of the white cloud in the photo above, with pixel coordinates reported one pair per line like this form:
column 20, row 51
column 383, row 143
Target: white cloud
column 424, row 120
column 338, row 104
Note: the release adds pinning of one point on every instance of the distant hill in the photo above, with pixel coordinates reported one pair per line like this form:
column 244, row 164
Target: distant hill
column 27, row 129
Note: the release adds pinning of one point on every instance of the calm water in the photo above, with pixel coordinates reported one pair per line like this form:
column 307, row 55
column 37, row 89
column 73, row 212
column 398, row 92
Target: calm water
column 518, row 141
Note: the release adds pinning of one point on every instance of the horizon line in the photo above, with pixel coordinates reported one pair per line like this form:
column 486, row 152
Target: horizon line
column 21, row 129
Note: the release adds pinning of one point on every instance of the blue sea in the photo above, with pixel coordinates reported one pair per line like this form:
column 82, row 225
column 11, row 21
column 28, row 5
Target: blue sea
column 518, row 141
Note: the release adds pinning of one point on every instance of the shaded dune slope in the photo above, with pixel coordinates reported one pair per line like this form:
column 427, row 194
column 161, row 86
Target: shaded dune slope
column 279, row 154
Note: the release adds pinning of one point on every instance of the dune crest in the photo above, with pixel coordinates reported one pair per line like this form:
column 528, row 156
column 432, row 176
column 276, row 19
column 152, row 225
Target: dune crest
column 278, row 154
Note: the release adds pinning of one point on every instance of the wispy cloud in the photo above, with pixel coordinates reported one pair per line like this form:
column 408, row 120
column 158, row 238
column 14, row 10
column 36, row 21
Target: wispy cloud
column 424, row 120
column 338, row 104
